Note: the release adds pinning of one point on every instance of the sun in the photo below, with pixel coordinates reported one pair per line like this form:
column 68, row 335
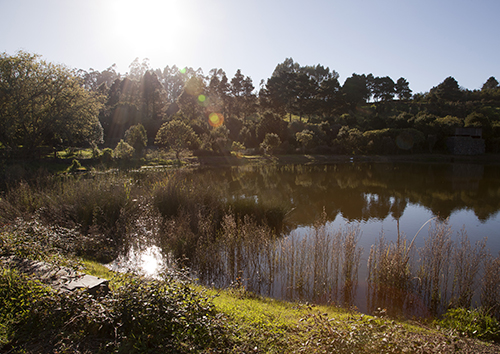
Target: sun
column 149, row 28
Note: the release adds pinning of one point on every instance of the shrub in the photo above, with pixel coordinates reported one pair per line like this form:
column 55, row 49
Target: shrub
column 75, row 166
column 270, row 143
column 123, row 151
column 106, row 155
column 473, row 323
column 167, row 315
column 136, row 137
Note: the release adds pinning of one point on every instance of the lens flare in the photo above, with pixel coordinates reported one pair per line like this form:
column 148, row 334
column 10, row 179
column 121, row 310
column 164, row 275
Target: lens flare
column 215, row 119
column 183, row 70
column 201, row 98
column 404, row 141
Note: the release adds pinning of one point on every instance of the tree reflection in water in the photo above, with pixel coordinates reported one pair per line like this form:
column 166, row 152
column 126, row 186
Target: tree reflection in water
column 313, row 261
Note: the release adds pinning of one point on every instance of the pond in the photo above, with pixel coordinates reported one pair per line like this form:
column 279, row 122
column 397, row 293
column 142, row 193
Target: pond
column 331, row 207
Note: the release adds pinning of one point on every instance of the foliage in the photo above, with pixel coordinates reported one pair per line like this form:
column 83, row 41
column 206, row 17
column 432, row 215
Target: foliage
column 136, row 137
column 364, row 334
column 35, row 113
column 232, row 235
column 44, row 104
column 106, row 155
column 75, row 166
column 123, row 151
column 72, row 216
column 448, row 90
column 237, row 146
column 475, row 323
column 18, row 295
column 490, row 289
column 270, row 143
column 304, row 138
column 177, row 136
column 141, row 314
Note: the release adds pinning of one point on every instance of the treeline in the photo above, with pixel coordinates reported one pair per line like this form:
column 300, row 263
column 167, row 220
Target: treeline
column 300, row 109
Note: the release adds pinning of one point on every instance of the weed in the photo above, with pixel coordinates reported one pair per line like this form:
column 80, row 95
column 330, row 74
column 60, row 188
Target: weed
column 467, row 263
column 434, row 270
column 475, row 323
column 490, row 287
column 167, row 315
column 390, row 277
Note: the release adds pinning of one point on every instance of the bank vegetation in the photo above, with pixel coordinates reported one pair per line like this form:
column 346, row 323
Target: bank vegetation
column 234, row 247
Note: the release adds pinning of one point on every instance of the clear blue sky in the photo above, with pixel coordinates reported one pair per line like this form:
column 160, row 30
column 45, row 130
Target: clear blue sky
column 423, row 41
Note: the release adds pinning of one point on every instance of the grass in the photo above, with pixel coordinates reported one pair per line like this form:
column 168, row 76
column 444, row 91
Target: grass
column 265, row 325
column 64, row 218
column 231, row 320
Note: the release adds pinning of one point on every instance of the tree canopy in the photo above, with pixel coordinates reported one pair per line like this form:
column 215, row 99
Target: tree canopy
column 44, row 104
column 178, row 136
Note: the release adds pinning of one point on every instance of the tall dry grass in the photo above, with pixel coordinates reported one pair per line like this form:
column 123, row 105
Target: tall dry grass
column 320, row 265
column 466, row 263
column 390, row 283
column 228, row 241
column 490, row 285
column 434, row 267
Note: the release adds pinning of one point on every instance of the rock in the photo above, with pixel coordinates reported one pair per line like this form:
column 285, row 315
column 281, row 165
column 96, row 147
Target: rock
column 62, row 279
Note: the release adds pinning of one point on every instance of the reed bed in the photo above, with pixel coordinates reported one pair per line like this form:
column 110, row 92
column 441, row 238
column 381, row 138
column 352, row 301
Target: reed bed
column 240, row 243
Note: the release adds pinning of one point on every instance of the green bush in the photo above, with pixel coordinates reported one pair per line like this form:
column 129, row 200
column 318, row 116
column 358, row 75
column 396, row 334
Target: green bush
column 18, row 294
column 142, row 315
column 123, row 151
column 473, row 323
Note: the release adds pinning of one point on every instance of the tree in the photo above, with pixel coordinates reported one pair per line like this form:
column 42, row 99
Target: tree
column 93, row 79
column 272, row 123
column 122, row 109
column 218, row 92
column 242, row 100
column 279, row 93
column 403, row 89
column 304, row 138
column 448, row 90
column 173, row 81
column 270, row 143
column 43, row 104
column 490, row 84
column 177, row 136
column 152, row 99
column 136, row 137
column 383, row 89
column 138, row 70
column 355, row 90
column 192, row 99
column 330, row 100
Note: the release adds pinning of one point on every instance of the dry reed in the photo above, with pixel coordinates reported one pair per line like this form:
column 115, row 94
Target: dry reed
column 434, row 270
column 490, row 287
column 467, row 263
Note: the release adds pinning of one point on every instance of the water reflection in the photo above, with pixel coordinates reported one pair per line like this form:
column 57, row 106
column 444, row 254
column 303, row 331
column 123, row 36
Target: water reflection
column 318, row 261
column 360, row 192
column 148, row 261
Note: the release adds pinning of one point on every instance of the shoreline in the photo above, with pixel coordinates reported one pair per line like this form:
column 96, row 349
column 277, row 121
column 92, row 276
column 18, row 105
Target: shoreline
column 486, row 159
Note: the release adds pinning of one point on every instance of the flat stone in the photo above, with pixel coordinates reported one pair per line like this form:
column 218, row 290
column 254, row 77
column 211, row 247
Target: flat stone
column 85, row 281
column 62, row 279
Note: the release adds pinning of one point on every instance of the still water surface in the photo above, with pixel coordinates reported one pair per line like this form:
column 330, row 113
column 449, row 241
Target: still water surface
column 375, row 198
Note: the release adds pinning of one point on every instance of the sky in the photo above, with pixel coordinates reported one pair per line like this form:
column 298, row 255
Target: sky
column 424, row 41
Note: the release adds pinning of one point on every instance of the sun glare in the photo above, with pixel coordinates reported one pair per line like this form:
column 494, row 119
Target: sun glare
column 150, row 28
column 215, row 119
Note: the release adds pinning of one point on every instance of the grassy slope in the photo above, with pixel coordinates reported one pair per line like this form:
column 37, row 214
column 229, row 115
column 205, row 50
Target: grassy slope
column 266, row 325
